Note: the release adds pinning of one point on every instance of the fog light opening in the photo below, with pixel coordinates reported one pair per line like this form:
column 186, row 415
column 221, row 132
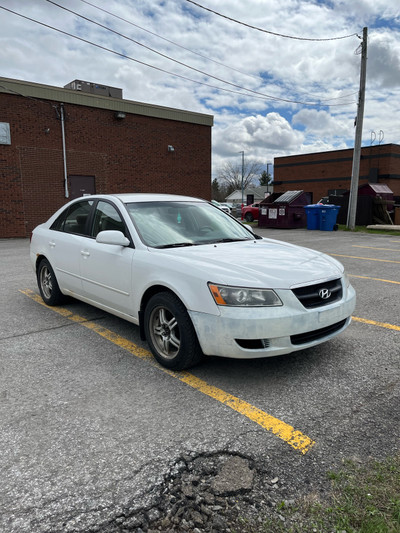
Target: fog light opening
column 253, row 344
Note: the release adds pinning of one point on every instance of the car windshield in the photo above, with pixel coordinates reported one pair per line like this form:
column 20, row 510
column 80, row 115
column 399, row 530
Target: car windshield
column 175, row 224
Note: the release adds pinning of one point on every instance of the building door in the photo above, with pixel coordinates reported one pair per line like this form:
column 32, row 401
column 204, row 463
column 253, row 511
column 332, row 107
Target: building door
column 250, row 199
column 81, row 186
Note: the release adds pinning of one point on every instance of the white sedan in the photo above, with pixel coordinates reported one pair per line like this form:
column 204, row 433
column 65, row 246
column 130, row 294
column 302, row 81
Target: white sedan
column 195, row 280
column 224, row 207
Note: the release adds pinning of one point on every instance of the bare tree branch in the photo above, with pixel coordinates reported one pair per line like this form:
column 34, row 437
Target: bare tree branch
column 231, row 174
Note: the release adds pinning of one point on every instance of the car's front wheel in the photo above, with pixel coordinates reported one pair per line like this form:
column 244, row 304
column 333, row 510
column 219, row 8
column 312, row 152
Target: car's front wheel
column 47, row 283
column 249, row 217
column 170, row 333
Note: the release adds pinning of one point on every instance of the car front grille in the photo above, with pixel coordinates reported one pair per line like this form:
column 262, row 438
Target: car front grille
column 319, row 295
column 310, row 336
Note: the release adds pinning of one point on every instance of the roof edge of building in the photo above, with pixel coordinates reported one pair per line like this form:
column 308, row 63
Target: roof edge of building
column 349, row 150
column 60, row 94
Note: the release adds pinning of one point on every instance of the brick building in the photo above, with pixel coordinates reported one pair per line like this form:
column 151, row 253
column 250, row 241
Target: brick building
column 326, row 173
column 60, row 143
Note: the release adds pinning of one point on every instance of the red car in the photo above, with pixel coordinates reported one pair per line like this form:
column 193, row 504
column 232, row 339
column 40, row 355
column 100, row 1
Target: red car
column 250, row 212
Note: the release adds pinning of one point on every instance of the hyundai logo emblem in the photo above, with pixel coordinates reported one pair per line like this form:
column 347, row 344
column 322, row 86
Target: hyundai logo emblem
column 324, row 294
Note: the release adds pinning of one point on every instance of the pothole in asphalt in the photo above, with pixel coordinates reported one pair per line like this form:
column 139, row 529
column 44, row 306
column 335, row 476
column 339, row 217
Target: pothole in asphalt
column 208, row 493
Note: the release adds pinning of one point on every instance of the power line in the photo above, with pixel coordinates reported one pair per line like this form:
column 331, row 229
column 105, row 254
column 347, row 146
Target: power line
column 197, row 53
column 166, row 56
column 267, row 31
column 169, row 40
column 181, row 63
column 255, row 94
column 131, row 58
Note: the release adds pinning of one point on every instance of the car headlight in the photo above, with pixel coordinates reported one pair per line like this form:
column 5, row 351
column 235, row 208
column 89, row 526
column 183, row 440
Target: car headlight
column 243, row 297
column 346, row 280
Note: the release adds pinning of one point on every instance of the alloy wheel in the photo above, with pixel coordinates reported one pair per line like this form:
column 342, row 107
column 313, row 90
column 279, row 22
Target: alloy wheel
column 164, row 331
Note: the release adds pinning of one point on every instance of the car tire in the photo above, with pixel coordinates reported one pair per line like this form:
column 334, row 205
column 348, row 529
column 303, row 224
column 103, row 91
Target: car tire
column 249, row 217
column 47, row 283
column 170, row 332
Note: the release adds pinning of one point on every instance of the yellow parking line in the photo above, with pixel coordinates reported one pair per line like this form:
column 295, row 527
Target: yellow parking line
column 365, row 258
column 294, row 438
column 106, row 333
column 374, row 323
column 287, row 433
column 375, row 248
column 374, row 279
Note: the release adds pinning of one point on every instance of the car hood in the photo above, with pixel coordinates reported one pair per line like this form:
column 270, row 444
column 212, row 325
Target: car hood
column 258, row 263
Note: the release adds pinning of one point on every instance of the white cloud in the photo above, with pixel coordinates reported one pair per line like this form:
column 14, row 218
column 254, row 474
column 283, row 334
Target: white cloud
column 323, row 123
column 260, row 137
column 292, row 70
column 384, row 60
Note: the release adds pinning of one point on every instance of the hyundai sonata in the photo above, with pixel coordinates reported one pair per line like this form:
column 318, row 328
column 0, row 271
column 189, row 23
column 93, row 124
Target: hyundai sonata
column 194, row 279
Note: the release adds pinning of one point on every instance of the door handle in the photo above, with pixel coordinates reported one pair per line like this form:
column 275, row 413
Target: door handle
column 52, row 244
column 85, row 253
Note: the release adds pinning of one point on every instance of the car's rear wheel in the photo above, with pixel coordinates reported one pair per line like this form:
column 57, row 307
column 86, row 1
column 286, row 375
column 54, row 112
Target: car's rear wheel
column 47, row 283
column 249, row 217
column 170, row 332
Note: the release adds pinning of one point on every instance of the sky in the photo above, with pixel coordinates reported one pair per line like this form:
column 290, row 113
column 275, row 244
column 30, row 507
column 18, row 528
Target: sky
column 280, row 78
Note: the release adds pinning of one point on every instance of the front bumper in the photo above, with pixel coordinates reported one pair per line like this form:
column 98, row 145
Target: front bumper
column 271, row 328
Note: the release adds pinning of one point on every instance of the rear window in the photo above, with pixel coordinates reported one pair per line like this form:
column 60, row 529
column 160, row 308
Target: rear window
column 74, row 219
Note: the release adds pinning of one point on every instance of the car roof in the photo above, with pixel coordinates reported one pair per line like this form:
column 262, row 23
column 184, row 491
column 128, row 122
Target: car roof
column 150, row 197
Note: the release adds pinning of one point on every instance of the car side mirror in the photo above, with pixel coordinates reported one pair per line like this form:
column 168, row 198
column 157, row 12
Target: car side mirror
column 112, row 237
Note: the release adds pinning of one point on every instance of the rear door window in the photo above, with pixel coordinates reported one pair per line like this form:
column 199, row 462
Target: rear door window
column 75, row 219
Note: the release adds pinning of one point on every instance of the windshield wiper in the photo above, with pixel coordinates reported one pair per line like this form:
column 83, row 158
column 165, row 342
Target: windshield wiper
column 230, row 239
column 176, row 245
column 211, row 241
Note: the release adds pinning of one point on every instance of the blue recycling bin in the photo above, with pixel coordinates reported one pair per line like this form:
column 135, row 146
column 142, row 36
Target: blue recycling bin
column 328, row 216
column 313, row 215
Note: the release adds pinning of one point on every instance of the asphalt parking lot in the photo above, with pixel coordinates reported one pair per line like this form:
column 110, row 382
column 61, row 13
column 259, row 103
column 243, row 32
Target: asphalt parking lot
column 97, row 437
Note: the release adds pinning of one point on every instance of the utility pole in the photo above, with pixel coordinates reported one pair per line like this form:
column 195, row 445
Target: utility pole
column 268, row 164
column 242, row 152
column 355, row 173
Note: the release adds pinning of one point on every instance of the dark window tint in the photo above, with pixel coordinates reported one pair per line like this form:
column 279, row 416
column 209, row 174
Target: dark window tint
column 106, row 217
column 74, row 219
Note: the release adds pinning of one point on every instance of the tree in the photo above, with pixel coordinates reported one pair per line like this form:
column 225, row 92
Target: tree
column 219, row 191
column 265, row 178
column 231, row 174
column 215, row 190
